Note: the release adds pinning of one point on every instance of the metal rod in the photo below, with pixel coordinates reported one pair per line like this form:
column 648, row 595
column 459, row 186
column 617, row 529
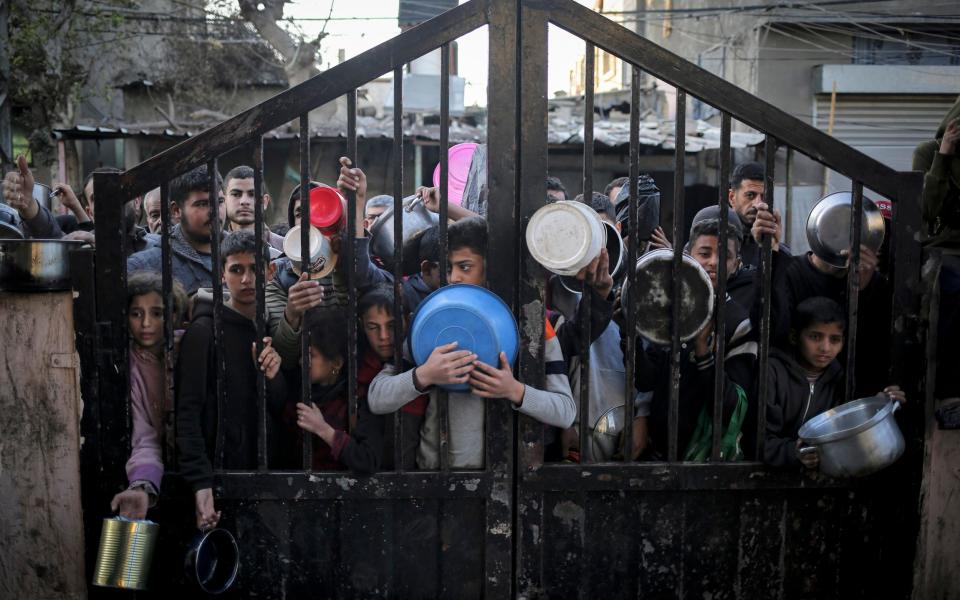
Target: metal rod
column 349, row 246
column 586, row 296
column 442, row 396
column 398, row 253
column 678, row 238
column 720, row 331
column 166, row 269
column 630, row 392
column 766, row 288
column 787, row 235
column 216, row 231
column 261, row 289
column 307, row 450
column 853, row 288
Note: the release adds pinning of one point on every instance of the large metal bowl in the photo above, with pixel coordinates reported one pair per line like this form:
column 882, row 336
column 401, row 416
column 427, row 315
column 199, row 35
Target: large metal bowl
column 857, row 438
column 416, row 219
column 828, row 227
column 35, row 265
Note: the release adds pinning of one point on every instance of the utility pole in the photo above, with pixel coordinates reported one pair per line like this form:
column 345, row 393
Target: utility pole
column 6, row 133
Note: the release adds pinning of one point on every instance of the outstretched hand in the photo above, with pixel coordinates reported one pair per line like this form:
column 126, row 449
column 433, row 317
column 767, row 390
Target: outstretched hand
column 767, row 222
column 18, row 190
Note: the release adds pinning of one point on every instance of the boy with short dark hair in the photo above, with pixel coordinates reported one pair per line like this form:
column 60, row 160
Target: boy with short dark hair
column 806, row 380
column 417, row 287
column 392, row 389
column 198, row 419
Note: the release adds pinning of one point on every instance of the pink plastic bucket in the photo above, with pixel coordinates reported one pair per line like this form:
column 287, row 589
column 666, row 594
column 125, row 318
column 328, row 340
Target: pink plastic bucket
column 458, row 167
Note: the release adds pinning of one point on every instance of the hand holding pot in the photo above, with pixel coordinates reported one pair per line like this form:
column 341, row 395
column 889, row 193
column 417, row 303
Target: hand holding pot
column 597, row 274
column 445, row 366
column 808, row 455
column 767, row 223
column 354, row 180
column 207, row 515
column 895, row 393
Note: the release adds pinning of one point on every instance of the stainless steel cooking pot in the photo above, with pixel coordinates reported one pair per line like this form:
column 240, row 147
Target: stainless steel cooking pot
column 855, row 439
column 35, row 265
column 415, row 219
column 606, row 434
column 213, row 560
column 828, row 227
column 43, row 195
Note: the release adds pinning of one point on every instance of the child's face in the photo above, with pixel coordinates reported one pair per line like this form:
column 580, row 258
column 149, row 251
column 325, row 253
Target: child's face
column 146, row 320
column 322, row 369
column 240, row 277
column 820, row 343
column 378, row 326
column 430, row 271
column 465, row 266
column 706, row 251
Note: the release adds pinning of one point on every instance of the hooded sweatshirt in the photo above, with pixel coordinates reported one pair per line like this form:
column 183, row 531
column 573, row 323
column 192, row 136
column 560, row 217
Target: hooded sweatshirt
column 941, row 188
column 391, row 390
column 793, row 401
column 197, row 416
column 191, row 268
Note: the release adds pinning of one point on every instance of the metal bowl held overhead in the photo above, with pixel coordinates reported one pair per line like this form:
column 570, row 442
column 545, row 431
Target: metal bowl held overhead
column 655, row 285
column 35, row 265
column 416, row 219
column 474, row 317
column 828, row 227
column 855, row 439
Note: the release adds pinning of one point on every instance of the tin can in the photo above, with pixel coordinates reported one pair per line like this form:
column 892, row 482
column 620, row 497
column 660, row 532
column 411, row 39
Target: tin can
column 125, row 553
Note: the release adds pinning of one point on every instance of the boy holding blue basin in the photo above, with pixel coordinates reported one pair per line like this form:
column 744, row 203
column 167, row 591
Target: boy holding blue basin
column 449, row 365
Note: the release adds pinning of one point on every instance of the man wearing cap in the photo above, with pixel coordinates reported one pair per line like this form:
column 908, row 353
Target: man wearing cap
column 746, row 196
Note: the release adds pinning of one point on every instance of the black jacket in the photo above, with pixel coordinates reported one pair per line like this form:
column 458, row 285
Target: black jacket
column 796, row 279
column 197, row 416
column 696, row 384
column 793, row 401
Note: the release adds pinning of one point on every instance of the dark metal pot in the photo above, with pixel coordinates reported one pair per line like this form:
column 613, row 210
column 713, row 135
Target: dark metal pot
column 416, row 219
column 855, row 439
column 35, row 265
column 213, row 560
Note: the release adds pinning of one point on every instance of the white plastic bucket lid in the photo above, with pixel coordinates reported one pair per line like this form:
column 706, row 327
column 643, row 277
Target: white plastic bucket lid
column 565, row 236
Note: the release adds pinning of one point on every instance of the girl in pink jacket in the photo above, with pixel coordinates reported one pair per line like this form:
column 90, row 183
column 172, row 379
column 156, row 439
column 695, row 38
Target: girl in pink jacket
column 149, row 391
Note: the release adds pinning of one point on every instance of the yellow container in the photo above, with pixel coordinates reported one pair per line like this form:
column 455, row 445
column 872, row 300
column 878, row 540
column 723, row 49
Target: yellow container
column 125, row 554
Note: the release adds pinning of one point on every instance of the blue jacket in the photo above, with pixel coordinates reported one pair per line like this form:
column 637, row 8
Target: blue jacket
column 192, row 269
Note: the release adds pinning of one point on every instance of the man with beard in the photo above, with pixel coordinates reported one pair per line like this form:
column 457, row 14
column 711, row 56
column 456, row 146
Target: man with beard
column 240, row 201
column 190, row 238
column 151, row 205
column 746, row 195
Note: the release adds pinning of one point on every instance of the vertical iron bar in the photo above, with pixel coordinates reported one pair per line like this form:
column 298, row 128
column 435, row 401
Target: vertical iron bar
column 398, row 253
column 586, row 295
column 349, row 246
column 442, row 395
column 307, row 449
column 853, row 288
column 261, row 289
column 720, row 331
column 216, row 231
column 678, row 239
column 166, row 270
column 630, row 393
column 787, row 234
column 766, row 288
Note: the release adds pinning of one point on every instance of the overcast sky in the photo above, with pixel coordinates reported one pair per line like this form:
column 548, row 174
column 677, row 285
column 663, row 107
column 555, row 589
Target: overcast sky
column 356, row 26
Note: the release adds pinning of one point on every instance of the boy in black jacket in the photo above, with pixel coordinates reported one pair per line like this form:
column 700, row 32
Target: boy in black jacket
column 807, row 380
column 197, row 417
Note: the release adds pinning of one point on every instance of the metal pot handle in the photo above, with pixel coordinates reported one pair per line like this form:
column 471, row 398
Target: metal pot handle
column 408, row 206
column 807, row 450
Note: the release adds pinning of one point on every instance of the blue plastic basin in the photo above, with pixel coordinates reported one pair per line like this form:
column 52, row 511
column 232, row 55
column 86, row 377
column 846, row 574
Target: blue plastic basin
column 474, row 317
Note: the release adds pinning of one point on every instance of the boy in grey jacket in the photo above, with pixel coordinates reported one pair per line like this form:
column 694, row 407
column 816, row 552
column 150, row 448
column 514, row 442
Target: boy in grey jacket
column 392, row 389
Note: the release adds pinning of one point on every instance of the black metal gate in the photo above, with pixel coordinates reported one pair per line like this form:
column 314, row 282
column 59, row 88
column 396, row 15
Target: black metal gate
column 519, row 526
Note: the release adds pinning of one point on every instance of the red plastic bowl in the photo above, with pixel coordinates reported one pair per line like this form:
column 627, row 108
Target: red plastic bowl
column 326, row 209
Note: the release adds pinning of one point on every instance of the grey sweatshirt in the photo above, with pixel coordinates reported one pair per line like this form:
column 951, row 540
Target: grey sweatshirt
column 390, row 391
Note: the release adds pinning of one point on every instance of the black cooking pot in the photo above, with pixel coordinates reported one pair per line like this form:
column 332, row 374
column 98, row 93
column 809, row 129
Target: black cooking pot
column 213, row 561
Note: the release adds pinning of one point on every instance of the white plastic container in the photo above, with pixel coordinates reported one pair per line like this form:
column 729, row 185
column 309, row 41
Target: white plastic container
column 565, row 236
column 322, row 258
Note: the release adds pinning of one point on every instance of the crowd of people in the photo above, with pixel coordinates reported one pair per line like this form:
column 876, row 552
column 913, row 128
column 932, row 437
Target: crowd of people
column 174, row 403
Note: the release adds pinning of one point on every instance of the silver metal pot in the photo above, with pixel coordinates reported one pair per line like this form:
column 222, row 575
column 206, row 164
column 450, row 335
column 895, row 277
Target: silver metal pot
column 35, row 265
column 43, row 195
column 607, row 432
column 416, row 219
column 828, row 227
column 855, row 439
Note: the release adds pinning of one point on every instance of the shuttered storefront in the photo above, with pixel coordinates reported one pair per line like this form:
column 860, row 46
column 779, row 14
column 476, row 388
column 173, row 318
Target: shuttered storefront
column 885, row 127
